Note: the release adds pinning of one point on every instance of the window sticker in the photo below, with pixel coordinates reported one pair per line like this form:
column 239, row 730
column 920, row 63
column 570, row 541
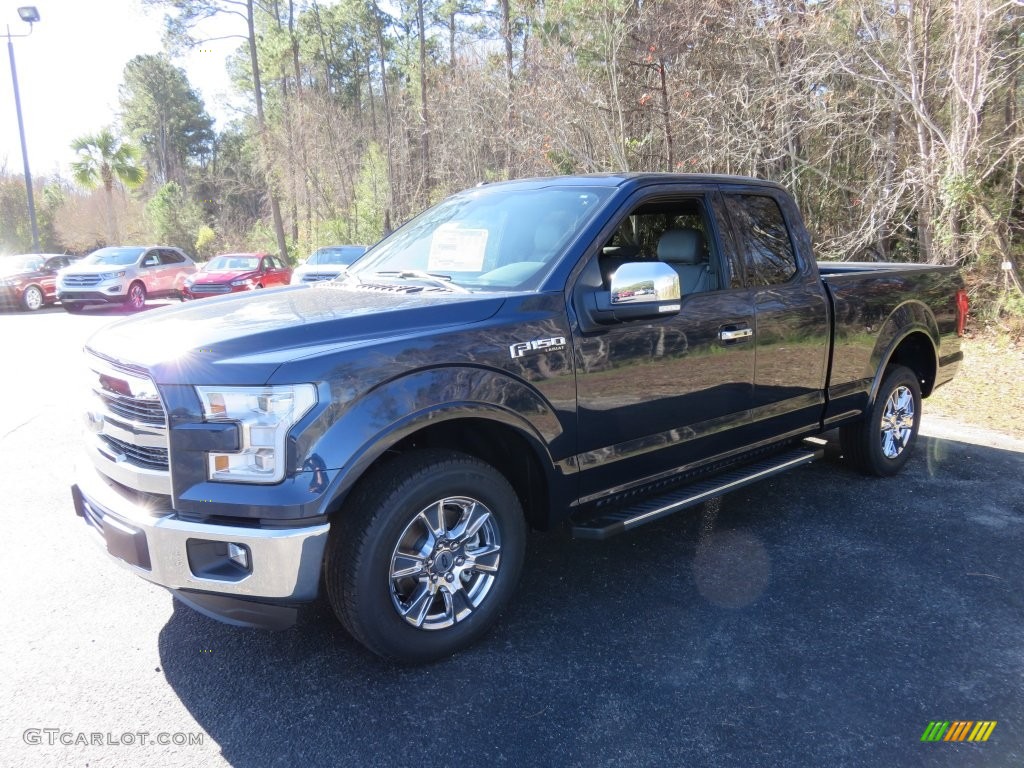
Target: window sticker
column 454, row 249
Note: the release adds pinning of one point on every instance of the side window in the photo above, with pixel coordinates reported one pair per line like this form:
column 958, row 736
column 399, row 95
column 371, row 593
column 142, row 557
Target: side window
column 674, row 231
column 168, row 256
column 151, row 259
column 764, row 239
column 267, row 264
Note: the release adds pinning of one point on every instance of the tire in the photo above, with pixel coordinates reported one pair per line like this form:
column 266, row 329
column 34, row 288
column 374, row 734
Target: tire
column 73, row 307
column 136, row 298
column 441, row 603
column 32, row 299
column 883, row 440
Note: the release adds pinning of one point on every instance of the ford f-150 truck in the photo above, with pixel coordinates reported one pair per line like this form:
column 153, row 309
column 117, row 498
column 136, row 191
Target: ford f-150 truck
column 595, row 352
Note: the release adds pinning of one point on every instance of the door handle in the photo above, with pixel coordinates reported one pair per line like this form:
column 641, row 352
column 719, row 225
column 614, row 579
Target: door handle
column 735, row 334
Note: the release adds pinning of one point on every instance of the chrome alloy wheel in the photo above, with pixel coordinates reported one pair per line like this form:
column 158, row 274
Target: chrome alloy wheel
column 897, row 422
column 136, row 297
column 445, row 563
column 33, row 298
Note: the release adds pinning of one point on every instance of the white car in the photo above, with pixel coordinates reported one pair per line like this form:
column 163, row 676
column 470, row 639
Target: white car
column 124, row 274
column 327, row 263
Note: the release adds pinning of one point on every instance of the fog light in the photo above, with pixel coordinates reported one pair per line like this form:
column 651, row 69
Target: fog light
column 218, row 560
column 240, row 554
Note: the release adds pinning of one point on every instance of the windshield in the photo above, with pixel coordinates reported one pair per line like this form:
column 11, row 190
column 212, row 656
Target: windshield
column 342, row 256
column 489, row 237
column 118, row 257
column 233, row 263
column 11, row 264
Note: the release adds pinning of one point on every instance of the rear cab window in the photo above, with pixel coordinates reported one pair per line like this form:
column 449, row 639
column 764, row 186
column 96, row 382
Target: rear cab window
column 764, row 242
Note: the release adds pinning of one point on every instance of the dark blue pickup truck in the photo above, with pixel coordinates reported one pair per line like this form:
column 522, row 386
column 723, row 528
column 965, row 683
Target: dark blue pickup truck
column 596, row 352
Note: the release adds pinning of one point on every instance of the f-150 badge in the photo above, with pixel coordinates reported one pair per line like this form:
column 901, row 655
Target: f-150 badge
column 520, row 348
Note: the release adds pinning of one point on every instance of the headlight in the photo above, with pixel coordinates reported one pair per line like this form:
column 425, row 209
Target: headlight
column 112, row 275
column 9, row 281
column 246, row 281
column 264, row 416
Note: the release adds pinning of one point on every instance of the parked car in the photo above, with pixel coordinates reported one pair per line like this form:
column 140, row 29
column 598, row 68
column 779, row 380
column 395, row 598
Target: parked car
column 393, row 435
column 235, row 272
column 29, row 281
column 327, row 263
column 124, row 274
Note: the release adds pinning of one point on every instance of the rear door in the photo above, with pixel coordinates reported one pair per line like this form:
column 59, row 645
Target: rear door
column 175, row 268
column 151, row 270
column 791, row 311
column 656, row 394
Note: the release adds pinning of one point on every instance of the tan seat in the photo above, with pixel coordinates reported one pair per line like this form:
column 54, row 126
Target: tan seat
column 685, row 250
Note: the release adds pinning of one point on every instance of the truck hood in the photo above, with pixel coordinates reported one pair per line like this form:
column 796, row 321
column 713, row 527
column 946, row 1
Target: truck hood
column 242, row 338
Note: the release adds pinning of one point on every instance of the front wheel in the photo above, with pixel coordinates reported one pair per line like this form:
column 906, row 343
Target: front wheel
column 881, row 442
column 32, row 299
column 136, row 297
column 425, row 554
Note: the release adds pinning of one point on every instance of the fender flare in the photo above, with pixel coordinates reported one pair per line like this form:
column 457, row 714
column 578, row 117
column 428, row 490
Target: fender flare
column 911, row 317
column 370, row 426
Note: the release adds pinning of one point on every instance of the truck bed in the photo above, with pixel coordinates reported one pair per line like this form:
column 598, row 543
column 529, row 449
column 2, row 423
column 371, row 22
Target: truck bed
column 873, row 303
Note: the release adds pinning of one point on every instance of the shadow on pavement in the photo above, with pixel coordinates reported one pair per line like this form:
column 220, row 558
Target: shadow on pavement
column 817, row 618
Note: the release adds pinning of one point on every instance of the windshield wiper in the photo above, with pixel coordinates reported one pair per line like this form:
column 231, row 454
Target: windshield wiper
column 443, row 281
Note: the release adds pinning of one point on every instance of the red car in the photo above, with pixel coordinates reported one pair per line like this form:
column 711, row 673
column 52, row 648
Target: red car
column 29, row 281
column 234, row 272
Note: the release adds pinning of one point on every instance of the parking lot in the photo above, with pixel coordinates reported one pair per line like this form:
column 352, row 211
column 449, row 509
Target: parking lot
column 819, row 618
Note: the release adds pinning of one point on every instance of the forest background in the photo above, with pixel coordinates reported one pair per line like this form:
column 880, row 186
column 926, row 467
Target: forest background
column 897, row 125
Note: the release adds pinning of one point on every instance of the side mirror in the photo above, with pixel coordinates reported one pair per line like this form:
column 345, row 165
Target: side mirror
column 644, row 282
column 639, row 289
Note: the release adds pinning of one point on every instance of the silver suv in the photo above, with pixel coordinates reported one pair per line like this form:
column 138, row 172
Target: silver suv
column 124, row 274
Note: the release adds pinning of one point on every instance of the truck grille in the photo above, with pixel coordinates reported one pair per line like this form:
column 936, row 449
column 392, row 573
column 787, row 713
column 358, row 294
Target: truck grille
column 212, row 288
column 129, row 426
column 80, row 280
column 146, row 411
column 152, row 458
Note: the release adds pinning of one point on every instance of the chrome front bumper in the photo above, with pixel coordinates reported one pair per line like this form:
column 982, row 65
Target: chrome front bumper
column 283, row 564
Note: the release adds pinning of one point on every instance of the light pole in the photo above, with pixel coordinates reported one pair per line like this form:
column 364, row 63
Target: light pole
column 30, row 15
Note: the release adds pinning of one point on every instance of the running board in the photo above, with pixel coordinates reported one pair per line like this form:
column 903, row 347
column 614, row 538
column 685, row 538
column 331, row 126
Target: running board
column 604, row 524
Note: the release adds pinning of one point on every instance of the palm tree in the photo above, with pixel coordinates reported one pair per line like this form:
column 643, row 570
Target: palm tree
column 102, row 160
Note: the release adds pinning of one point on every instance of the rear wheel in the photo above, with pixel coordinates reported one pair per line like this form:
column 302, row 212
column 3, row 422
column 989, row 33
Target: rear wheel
column 881, row 442
column 425, row 554
column 32, row 298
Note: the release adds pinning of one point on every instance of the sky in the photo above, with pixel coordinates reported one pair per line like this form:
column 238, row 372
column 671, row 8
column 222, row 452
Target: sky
column 70, row 69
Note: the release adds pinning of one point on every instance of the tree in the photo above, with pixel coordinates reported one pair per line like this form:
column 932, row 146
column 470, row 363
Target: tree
column 189, row 13
column 104, row 159
column 165, row 116
column 175, row 218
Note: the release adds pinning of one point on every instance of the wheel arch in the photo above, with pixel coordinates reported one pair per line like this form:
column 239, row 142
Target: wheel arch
column 909, row 337
column 487, row 433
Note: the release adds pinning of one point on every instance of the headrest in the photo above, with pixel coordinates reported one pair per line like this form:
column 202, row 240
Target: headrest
column 682, row 246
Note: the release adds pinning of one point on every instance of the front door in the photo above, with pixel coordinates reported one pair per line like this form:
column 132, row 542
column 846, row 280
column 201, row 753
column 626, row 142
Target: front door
column 656, row 394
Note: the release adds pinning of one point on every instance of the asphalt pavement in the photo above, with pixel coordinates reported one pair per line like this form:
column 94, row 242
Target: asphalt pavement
column 818, row 618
